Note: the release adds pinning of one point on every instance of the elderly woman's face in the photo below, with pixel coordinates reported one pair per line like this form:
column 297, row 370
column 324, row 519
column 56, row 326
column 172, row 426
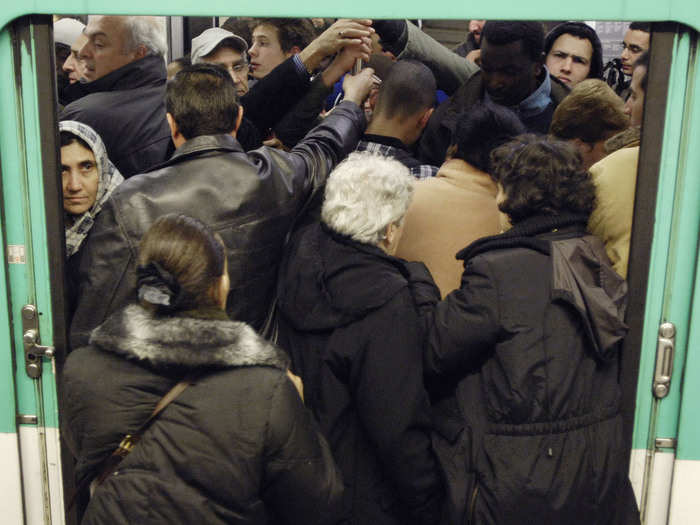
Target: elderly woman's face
column 80, row 178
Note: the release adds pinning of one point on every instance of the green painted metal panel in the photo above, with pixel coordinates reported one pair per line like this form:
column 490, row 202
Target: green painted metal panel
column 684, row 238
column 25, row 221
column 689, row 425
column 674, row 250
column 15, row 193
column 662, row 245
column 7, row 380
column 686, row 11
column 37, row 222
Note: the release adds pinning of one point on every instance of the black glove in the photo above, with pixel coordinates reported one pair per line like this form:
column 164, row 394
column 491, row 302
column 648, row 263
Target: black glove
column 393, row 35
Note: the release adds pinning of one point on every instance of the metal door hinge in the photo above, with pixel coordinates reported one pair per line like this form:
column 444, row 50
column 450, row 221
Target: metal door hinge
column 664, row 360
column 33, row 351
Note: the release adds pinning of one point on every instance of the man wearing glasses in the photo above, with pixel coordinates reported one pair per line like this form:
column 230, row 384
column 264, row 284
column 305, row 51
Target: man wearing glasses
column 218, row 46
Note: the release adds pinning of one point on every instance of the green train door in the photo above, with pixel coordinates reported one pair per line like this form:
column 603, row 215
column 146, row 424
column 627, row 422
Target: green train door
column 31, row 277
column 663, row 285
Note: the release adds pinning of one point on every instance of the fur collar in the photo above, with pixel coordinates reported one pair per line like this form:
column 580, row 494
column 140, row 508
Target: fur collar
column 190, row 342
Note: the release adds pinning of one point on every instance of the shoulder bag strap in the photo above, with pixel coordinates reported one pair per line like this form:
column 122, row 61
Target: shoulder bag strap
column 110, row 464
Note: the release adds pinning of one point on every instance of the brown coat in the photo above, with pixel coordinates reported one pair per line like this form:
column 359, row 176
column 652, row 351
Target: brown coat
column 448, row 212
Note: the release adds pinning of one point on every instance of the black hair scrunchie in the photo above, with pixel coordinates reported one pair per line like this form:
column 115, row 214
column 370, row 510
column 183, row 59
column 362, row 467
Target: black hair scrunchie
column 159, row 287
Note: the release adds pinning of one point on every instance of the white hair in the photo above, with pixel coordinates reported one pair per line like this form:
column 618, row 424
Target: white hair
column 147, row 31
column 365, row 194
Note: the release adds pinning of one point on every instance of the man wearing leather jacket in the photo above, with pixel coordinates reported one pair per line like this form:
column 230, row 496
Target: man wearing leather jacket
column 251, row 200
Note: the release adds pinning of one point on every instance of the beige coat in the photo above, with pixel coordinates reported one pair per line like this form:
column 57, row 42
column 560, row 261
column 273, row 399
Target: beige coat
column 615, row 178
column 448, row 212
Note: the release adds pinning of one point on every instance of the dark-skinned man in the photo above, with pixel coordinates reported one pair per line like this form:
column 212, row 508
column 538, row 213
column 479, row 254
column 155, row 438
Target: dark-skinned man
column 512, row 74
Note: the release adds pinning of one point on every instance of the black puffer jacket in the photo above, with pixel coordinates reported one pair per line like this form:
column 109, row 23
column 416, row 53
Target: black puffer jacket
column 237, row 447
column 533, row 427
column 349, row 320
column 250, row 199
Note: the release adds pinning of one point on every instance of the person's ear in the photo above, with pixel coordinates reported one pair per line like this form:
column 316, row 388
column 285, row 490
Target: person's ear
column 219, row 291
column 581, row 146
column 538, row 67
column 425, row 117
column 177, row 137
column 373, row 95
column 239, row 119
column 390, row 233
column 295, row 50
column 141, row 51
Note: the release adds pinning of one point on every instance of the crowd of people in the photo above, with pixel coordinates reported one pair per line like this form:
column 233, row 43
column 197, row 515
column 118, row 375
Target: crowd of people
column 331, row 271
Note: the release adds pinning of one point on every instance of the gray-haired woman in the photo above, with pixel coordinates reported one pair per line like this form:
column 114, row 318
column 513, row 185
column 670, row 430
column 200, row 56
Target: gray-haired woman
column 350, row 320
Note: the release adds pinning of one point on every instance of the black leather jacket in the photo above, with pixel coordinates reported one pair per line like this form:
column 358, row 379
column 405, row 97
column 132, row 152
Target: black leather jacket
column 251, row 199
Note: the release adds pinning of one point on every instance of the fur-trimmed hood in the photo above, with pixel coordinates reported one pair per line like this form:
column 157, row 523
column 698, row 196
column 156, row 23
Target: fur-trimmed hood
column 185, row 341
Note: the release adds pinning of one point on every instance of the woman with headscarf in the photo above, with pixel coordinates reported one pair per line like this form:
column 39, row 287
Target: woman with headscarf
column 236, row 446
column 88, row 179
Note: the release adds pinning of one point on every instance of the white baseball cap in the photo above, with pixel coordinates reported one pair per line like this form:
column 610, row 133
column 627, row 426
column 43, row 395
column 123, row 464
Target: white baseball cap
column 209, row 39
column 67, row 30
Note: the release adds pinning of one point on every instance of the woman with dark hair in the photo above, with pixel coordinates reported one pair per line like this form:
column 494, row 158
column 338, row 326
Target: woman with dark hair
column 529, row 348
column 573, row 52
column 88, row 179
column 236, row 445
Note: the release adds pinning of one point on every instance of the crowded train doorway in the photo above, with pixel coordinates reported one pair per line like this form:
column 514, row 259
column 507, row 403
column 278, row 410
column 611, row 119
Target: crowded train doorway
column 663, row 273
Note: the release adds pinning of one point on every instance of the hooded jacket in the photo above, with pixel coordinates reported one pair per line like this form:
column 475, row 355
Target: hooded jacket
column 236, row 447
column 349, row 320
column 251, row 199
column 526, row 356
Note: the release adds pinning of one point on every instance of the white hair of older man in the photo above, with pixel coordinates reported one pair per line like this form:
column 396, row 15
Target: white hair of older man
column 364, row 194
column 147, row 31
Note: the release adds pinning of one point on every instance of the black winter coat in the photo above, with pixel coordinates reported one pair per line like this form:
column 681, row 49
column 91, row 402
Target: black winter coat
column 127, row 109
column 350, row 322
column 533, row 427
column 237, row 447
column 250, row 199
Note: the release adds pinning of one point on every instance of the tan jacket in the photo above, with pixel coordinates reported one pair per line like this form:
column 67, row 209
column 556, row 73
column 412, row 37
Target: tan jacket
column 615, row 178
column 449, row 212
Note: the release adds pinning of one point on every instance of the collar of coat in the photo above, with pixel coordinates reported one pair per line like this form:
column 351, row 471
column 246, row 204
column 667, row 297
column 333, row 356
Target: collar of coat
column 525, row 234
column 147, row 71
column 202, row 144
column 473, row 91
column 199, row 339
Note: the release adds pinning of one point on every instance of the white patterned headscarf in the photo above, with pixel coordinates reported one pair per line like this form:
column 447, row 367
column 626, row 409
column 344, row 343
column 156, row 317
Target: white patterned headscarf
column 77, row 227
